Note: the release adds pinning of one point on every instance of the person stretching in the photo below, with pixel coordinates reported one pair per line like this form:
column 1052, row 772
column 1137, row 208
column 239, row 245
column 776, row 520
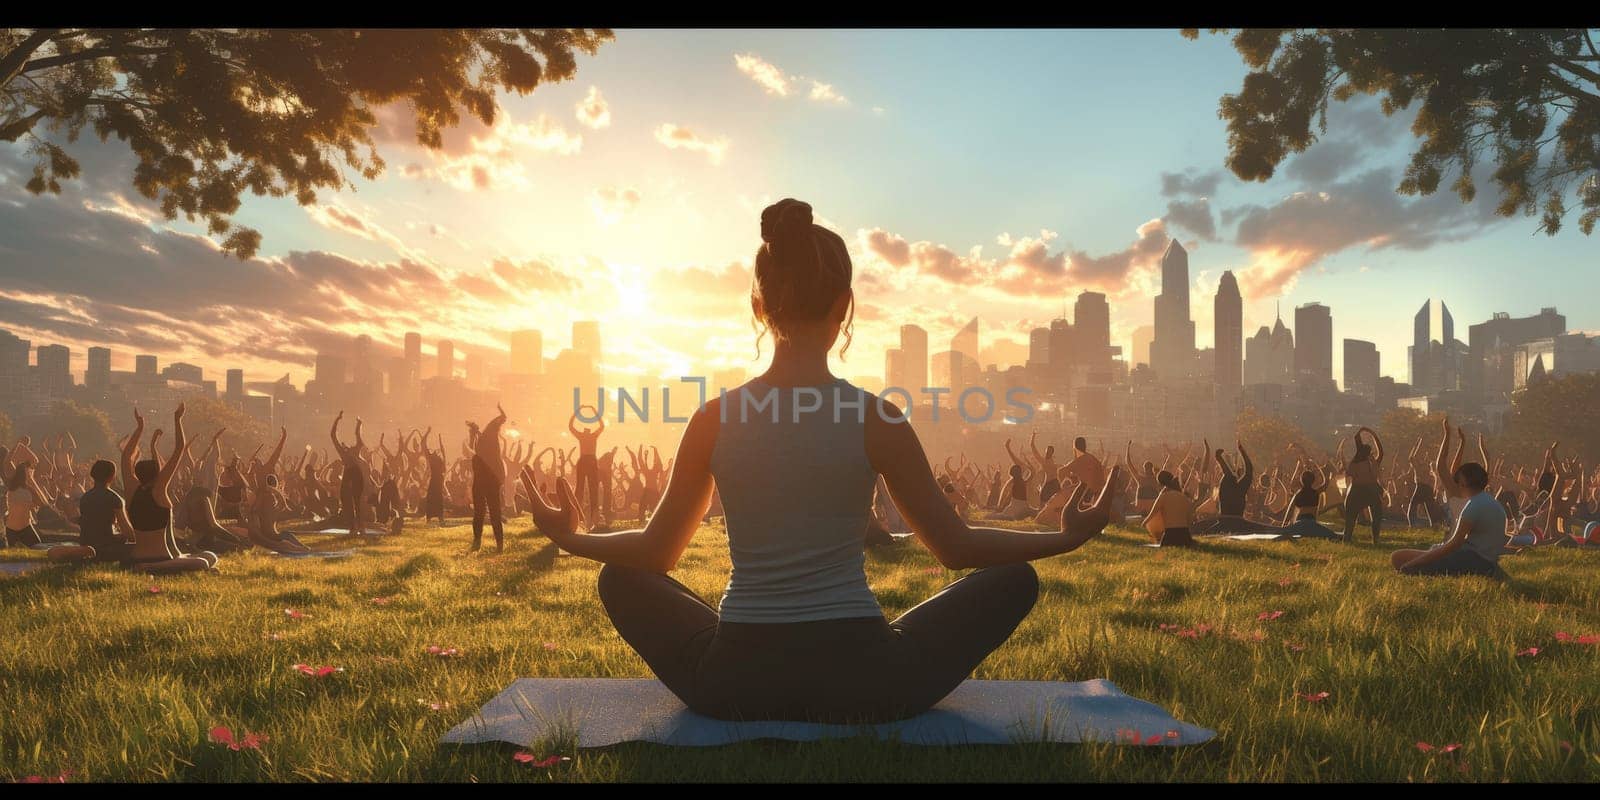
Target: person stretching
column 799, row 634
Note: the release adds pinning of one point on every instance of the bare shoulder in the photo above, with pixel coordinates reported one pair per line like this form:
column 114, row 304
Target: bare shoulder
column 890, row 439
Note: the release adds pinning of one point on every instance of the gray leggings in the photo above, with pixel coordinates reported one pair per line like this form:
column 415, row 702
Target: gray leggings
column 1363, row 496
column 861, row 670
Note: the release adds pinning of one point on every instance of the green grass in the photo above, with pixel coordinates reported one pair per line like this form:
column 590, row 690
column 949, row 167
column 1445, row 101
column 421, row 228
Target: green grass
column 100, row 676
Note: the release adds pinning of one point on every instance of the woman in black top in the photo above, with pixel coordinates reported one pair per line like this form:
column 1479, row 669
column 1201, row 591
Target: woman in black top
column 155, row 548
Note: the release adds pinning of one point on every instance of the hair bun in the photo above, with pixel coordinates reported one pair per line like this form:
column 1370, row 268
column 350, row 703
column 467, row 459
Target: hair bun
column 785, row 219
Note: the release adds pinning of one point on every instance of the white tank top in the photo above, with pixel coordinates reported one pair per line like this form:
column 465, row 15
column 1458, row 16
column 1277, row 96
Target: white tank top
column 796, row 489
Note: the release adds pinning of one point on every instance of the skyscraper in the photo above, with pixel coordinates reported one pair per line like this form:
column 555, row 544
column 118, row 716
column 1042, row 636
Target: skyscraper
column 145, row 367
column 1433, row 356
column 1139, row 343
column 1361, row 368
column 413, row 355
column 1039, row 346
column 447, row 359
column 13, row 356
column 894, row 370
column 586, row 340
column 914, row 357
column 1172, row 352
column 527, row 352
column 185, row 373
column 965, row 370
column 98, row 375
column 1091, row 324
column 1269, row 356
column 235, row 385
column 1313, row 350
column 55, row 372
column 1488, row 373
column 1228, row 350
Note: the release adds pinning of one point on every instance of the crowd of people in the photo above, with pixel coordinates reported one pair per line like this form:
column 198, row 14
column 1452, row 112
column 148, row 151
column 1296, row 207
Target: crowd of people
column 798, row 632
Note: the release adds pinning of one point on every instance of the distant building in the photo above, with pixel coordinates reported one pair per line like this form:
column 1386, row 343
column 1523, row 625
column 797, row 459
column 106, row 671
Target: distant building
column 1490, row 374
column 527, row 352
column 186, row 373
column 1269, row 356
column 98, row 374
column 1228, row 347
column 1172, row 350
column 54, row 369
column 1313, row 350
column 1555, row 356
column 1361, row 366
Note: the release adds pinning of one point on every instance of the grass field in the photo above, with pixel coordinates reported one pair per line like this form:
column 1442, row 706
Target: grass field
column 101, row 676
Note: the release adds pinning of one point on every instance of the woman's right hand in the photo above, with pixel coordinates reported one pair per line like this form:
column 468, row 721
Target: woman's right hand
column 1083, row 524
column 556, row 523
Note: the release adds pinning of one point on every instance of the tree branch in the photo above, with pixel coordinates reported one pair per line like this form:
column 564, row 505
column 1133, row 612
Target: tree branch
column 14, row 61
column 91, row 54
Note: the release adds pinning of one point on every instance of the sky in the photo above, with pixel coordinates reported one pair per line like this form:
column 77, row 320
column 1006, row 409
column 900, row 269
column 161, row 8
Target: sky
column 974, row 173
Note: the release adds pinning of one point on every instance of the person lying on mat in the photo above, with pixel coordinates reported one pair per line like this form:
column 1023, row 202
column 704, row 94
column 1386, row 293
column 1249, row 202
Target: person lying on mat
column 799, row 634
column 1479, row 537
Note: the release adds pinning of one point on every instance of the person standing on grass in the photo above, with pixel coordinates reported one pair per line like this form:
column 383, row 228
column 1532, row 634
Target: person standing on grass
column 799, row 633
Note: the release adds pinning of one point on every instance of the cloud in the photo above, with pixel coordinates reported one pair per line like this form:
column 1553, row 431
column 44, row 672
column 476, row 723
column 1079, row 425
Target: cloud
column 336, row 217
column 1306, row 227
column 494, row 157
column 593, row 110
column 678, row 137
column 1190, row 182
column 764, row 73
column 1193, row 215
column 891, row 248
column 1029, row 268
column 83, row 274
column 824, row 93
column 610, row 203
column 774, row 81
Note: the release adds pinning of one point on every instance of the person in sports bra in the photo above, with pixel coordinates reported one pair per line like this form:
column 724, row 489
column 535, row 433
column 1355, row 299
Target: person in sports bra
column 155, row 547
column 799, row 633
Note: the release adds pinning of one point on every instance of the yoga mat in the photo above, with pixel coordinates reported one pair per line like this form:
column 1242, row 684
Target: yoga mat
column 340, row 532
column 605, row 712
column 1260, row 537
column 317, row 554
column 13, row 569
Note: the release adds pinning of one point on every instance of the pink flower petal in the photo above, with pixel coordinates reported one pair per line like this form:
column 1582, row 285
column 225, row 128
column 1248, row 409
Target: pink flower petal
column 1563, row 636
column 1589, row 638
column 221, row 735
column 1285, row 581
column 1450, row 748
column 155, row 590
column 1268, row 615
column 1528, row 653
column 293, row 614
column 1155, row 738
column 525, row 757
column 382, row 601
column 1313, row 698
column 1425, row 747
column 549, row 645
column 252, row 741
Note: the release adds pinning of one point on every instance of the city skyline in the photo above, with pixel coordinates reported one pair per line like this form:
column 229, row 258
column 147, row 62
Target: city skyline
column 625, row 197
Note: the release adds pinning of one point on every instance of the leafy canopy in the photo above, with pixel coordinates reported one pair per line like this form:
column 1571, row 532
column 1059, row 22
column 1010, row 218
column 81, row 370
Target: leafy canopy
column 211, row 113
column 1528, row 100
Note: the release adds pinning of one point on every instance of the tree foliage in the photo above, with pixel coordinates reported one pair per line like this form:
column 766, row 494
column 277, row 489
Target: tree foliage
column 203, row 416
column 1267, row 436
column 1565, row 409
column 1482, row 93
column 211, row 113
column 1400, row 428
column 90, row 428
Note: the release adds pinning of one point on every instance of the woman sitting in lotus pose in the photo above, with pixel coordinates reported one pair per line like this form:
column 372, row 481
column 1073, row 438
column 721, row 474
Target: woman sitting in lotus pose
column 799, row 634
